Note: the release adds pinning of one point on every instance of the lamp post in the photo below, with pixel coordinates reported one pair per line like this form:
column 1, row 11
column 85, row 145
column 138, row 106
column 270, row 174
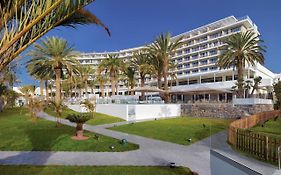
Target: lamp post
column 279, row 157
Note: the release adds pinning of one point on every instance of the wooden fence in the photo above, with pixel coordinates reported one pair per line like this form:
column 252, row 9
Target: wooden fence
column 259, row 145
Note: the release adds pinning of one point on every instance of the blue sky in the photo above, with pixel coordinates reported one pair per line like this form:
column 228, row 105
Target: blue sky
column 138, row 22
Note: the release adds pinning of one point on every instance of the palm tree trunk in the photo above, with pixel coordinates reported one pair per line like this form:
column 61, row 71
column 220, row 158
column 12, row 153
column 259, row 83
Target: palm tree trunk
column 86, row 89
column 47, row 89
column 240, row 79
column 102, row 90
column 142, row 85
column 58, row 85
column 41, row 87
column 113, row 85
column 159, row 80
column 165, row 75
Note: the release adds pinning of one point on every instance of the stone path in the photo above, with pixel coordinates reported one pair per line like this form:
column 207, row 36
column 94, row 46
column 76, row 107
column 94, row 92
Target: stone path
column 151, row 152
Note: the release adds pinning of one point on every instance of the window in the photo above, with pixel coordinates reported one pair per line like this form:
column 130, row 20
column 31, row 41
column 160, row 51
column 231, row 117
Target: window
column 195, row 49
column 204, row 70
column 214, row 68
column 187, row 50
column 204, row 62
column 183, row 83
column 213, row 52
column 195, row 64
column 237, row 29
column 187, row 72
column 187, row 65
column 179, row 60
column 195, row 56
column 179, row 73
column 193, row 82
column 203, row 46
column 203, row 54
column 207, row 80
column 213, row 60
column 195, row 71
column 204, row 39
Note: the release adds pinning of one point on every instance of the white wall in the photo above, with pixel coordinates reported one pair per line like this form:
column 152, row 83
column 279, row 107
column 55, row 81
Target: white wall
column 140, row 111
column 77, row 108
column 117, row 110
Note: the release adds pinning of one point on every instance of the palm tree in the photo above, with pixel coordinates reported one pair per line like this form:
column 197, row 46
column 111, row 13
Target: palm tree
column 141, row 63
column 55, row 53
column 34, row 68
column 162, row 48
column 79, row 119
column 91, row 107
column 112, row 65
column 86, row 73
column 23, row 22
column 129, row 73
column 28, row 92
column 257, row 82
column 101, row 80
column 241, row 49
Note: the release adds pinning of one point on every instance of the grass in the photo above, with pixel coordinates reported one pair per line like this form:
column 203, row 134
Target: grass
column 19, row 132
column 176, row 130
column 271, row 128
column 91, row 170
column 99, row 118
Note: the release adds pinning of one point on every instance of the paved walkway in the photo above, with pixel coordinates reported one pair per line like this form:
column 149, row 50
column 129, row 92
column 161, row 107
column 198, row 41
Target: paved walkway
column 151, row 152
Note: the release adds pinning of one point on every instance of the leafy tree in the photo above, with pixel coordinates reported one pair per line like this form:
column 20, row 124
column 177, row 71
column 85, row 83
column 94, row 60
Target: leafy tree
column 162, row 48
column 241, row 49
column 91, row 107
column 112, row 65
column 257, row 82
column 55, row 54
column 22, row 22
column 79, row 119
column 277, row 91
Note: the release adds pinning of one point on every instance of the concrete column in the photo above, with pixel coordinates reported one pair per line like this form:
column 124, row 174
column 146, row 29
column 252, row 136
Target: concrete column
column 214, row 77
column 200, row 79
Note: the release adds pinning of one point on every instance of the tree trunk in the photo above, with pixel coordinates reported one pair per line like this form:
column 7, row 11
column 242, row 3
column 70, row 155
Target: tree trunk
column 142, row 85
column 41, row 87
column 79, row 129
column 240, row 79
column 113, row 85
column 165, row 75
column 159, row 81
column 102, row 90
column 86, row 89
column 58, row 85
column 47, row 89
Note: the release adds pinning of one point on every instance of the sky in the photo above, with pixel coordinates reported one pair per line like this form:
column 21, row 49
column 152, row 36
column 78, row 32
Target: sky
column 137, row 22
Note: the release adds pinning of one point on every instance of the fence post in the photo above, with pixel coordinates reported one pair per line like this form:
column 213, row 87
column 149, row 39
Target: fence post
column 279, row 157
column 266, row 148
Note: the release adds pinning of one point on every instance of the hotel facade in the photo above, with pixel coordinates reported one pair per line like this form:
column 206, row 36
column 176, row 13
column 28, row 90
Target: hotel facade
column 198, row 76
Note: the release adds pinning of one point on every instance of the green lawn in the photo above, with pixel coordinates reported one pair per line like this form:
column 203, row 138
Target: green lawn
column 91, row 170
column 271, row 127
column 99, row 118
column 19, row 132
column 176, row 130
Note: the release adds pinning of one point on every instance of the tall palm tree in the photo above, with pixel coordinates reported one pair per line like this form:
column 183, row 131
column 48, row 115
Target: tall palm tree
column 101, row 80
column 34, row 68
column 162, row 48
column 112, row 65
column 129, row 73
column 241, row 49
column 55, row 53
column 87, row 73
column 22, row 22
column 141, row 62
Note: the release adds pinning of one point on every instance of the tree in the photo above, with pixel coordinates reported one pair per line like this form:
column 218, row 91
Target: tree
column 257, row 82
column 241, row 49
column 277, row 91
column 101, row 80
column 55, row 54
column 112, row 65
column 162, row 48
column 87, row 73
column 129, row 77
column 79, row 119
column 28, row 92
column 91, row 107
column 22, row 22
column 141, row 62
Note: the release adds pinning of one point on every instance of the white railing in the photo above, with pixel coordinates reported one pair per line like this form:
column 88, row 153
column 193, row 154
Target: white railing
column 252, row 101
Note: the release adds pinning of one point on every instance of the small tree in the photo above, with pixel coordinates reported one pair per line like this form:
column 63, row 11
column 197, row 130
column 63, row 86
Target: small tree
column 277, row 91
column 58, row 110
column 79, row 119
column 91, row 107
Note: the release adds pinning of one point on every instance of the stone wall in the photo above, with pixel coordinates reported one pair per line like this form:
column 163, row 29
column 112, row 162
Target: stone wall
column 222, row 110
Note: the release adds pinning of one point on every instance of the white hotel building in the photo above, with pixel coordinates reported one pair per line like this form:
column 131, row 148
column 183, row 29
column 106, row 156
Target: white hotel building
column 198, row 76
